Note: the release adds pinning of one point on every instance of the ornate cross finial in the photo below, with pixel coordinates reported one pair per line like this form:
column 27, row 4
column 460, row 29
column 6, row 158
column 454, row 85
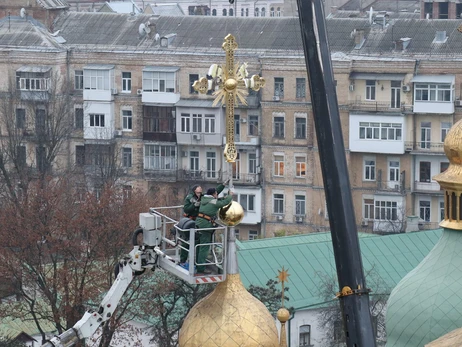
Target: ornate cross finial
column 232, row 85
column 283, row 277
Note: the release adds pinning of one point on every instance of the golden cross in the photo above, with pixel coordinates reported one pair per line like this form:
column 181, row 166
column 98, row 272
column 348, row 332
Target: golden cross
column 283, row 277
column 232, row 87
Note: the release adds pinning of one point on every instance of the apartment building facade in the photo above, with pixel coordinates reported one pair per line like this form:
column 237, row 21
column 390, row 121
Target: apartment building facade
column 132, row 88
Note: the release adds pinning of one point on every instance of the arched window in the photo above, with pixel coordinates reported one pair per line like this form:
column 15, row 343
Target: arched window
column 263, row 12
column 278, row 14
column 214, row 12
column 231, row 12
column 256, row 12
column 272, row 12
column 224, row 12
column 305, row 335
column 246, row 12
column 242, row 12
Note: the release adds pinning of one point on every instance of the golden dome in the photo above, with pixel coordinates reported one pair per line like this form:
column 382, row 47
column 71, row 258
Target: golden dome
column 450, row 180
column 229, row 317
column 231, row 214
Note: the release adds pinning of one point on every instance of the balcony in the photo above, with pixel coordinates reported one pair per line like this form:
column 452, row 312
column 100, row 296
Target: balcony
column 199, row 175
column 160, row 175
column 424, row 146
column 375, row 106
column 427, row 187
column 246, row 178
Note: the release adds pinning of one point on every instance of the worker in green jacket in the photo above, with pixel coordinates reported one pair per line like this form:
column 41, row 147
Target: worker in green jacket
column 210, row 204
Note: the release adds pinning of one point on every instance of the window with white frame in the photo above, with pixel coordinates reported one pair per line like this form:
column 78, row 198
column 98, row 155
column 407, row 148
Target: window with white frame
column 34, row 81
column 369, row 169
column 380, row 131
column 442, row 214
column 272, row 12
column 300, row 205
column 278, row 203
column 300, row 87
column 126, row 82
column 279, row 86
column 305, row 336
column 300, row 128
column 96, row 120
column 368, row 209
column 196, row 123
column 247, row 202
column 433, row 92
column 127, row 120
column 185, row 123
column 393, row 170
column 278, row 167
column 425, row 134
column 160, row 157
column 424, row 210
column 96, row 79
column 370, row 89
column 278, row 123
column 300, row 166
column 211, row 164
column 386, row 210
column 209, row 123
column 256, row 12
column 78, row 79
column 278, row 12
column 445, row 126
column 158, row 82
column 253, row 234
column 126, row 157
column 425, row 171
column 194, row 162
column 252, row 163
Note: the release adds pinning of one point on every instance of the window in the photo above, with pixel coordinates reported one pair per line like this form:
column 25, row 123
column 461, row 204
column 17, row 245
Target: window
column 256, row 13
column 209, row 123
column 444, row 166
column 393, row 170
column 78, row 80
column 97, row 120
column 300, row 205
column 252, row 163
column 278, row 12
column 127, row 192
column 425, row 134
column 253, row 234
column 253, row 125
column 442, row 215
column 214, row 12
column 126, row 157
column 278, row 165
column 263, row 12
column 20, row 118
column 300, row 166
column 278, row 203
column 242, row 12
column 96, row 80
column 193, row 78
column 160, row 157
column 395, row 101
column 40, row 121
column 369, row 169
column 196, row 123
column 40, row 157
column 424, row 171
column 127, row 120
column 370, row 89
column 224, row 12
column 380, row 131
column 236, row 166
column 247, row 202
column 272, row 12
column 424, row 208
column 300, row 128
column 279, row 87
column 368, row 208
column 185, row 123
column 246, row 12
column 79, row 155
column 445, row 126
column 236, row 234
column 158, row 82
column 231, row 12
column 279, row 127
column 386, row 210
column 126, row 82
column 433, row 92
column 300, row 90
column 159, row 119
column 211, row 164
column 78, row 122
column 21, row 156
column 305, row 336
column 194, row 163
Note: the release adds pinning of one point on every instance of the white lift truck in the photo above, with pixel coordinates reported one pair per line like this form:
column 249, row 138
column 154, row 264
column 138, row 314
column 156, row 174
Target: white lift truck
column 163, row 238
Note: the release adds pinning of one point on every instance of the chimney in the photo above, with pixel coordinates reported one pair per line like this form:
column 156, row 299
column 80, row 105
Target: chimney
column 359, row 36
column 412, row 223
column 333, row 9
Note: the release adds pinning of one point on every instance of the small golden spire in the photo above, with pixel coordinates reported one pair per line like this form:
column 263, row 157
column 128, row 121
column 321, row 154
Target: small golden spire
column 283, row 314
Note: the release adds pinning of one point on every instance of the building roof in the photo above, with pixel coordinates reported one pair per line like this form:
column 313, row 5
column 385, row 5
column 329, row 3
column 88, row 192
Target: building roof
column 121, row 7
column 164, row 9
column 391, row 257
column 53, row 4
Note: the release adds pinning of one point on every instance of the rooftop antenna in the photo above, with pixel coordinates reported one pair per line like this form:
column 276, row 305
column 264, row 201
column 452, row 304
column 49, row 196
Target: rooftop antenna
column 371, row 12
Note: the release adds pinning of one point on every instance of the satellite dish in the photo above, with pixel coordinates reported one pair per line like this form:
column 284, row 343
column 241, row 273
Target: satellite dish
column 22, row 12
column 147, row 30
column 141, row 29
column 371, row 12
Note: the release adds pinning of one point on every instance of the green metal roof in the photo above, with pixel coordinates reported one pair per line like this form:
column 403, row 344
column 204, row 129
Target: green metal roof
column 391, row 256
column 291, row 240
